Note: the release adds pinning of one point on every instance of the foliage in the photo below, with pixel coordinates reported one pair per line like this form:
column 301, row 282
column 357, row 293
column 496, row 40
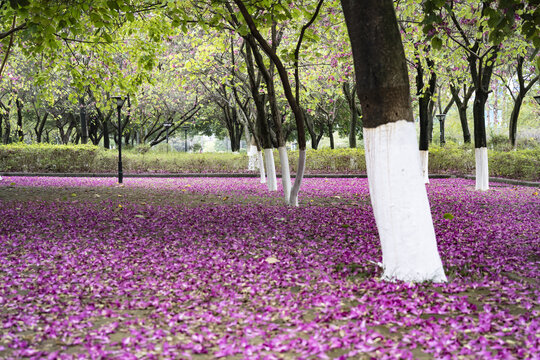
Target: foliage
column 48, row 158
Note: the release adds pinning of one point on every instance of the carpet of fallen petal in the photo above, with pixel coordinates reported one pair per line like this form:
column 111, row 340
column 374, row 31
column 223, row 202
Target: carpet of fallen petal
column 205, row 268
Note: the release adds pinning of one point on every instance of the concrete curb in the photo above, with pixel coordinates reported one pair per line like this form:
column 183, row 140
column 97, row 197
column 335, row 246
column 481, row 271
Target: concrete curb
column 253, row 175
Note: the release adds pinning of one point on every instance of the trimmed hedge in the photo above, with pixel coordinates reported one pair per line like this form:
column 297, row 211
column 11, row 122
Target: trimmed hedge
column 46, row 158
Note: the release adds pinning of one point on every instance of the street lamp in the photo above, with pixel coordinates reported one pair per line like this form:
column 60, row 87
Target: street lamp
column 537, row 98
column 185, row 128
column 167, row 125
column 119, row 103
column 441, row 118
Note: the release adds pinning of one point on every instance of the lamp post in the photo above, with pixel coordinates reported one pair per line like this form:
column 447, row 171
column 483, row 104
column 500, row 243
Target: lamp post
column 441, row 118
column 537, row 98
column 185, row 128
column 119, row 103
column 167, row 126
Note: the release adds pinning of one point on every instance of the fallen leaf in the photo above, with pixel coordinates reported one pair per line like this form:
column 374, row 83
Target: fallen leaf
column 271, row 260
column 448, row 216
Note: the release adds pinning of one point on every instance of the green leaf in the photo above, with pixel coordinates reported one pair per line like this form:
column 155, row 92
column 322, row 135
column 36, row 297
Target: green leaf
column 536, row 42
column 427, row 28
column 113, row 5
column 436, row 42
column 448, row 216
column 61, row 25
column 107, row 37
column 243, row 30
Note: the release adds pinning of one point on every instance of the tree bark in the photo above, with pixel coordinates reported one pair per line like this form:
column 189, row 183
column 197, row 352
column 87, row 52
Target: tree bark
column 518, row 100
column 442, row 139
column 351, row 100
column 20, row 133
column 331, row 135
column 462, row 109
column 84, row 124
column 40, row 125
column 397, row 191
column 106, row 138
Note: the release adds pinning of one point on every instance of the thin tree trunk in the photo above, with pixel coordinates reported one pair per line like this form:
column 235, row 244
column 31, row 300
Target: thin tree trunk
column 270, row 170
column 285, row 173
column 106, row 139
column 442, row 139
column 84, row 124
column 351, row 100
column 20, row 133
column 462, row 109
column 7, row 129
column 261, row 167
column 424, row 111
column 331, row 136
column 518, row 100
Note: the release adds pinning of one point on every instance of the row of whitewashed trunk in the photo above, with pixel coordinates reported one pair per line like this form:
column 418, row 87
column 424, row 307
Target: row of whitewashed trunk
column 481, row 161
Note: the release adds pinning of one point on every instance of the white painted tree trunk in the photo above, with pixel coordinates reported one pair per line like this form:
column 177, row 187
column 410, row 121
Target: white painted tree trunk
column 482, row 171
column 252, row 158
column 293, row 200
column 285, row 173
column 261, row 167
column 400, row 204
column 424, row 159
column 270, row 170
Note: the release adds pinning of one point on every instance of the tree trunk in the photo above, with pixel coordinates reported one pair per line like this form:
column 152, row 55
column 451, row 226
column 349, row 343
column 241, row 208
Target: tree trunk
column 20, row 133
column 331, row 135
column 480, row 140
column 481, row 71
column 351, row 100
column 464, row 124
column 398, row 194
column 261, row 167
column 310, row 124
column 462, row 109
column 270, row 170
column 84, row 124
column 285, row 173
column 106, row 139
column 424, row 113
column 7, row 130
column 523, row 89
column 40, row 125
column 430, row 121
column 442, row 140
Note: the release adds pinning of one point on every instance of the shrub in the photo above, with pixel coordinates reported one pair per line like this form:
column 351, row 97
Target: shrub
column 48, row 158
column 450, row 159
column 142, row 148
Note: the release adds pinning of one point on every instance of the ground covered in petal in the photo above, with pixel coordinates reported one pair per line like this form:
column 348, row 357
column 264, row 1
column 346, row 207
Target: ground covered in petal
column 204, row 268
